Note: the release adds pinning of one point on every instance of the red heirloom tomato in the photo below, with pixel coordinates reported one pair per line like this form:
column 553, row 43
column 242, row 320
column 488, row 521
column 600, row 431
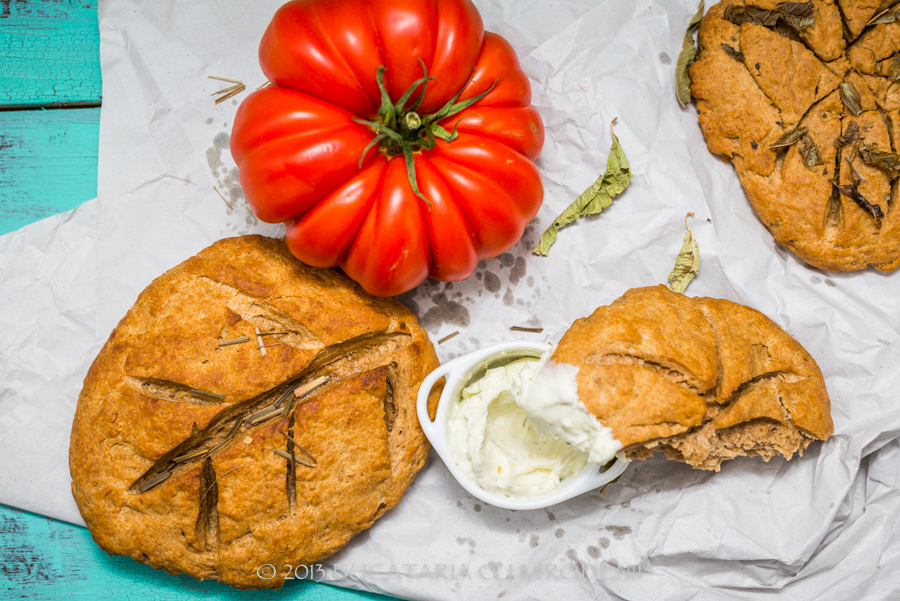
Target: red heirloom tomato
column 396, row 139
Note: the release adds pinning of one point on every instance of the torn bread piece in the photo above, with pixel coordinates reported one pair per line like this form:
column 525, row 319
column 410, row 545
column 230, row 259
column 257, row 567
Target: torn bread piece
column 700, row 379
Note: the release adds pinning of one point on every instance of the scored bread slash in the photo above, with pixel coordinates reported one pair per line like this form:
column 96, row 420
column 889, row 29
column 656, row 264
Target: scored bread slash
column 216, row 481
column 189, row 456
column 211, row 395
column 155, row 481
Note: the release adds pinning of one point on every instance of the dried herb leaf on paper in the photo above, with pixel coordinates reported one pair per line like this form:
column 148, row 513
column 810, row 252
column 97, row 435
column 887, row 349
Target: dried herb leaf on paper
column 687, row 264
column 596, row 198
column 686, row 57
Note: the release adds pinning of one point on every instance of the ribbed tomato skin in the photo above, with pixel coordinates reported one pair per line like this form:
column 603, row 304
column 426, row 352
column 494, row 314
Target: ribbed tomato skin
column 301, row 148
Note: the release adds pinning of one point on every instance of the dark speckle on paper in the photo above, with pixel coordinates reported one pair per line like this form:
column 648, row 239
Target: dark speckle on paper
column 518, row 271
column 444, row 311
column 227, row 176
column 494, row 567
column 665, row 58
column 603, row 542
column 830, row 283
column 573, row 555
column 534, row 541
column 491, row 282
column 559, row 533
column 619, row 532
column 551, row 516
column 476, row 507
column 594, row 552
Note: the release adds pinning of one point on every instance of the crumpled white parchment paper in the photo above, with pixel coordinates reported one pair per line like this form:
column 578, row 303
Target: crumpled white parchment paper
column 826, row 525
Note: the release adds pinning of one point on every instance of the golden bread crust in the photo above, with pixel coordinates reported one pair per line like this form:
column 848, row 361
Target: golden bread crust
column 701, row 379
column 754, row 83
column 172, row 462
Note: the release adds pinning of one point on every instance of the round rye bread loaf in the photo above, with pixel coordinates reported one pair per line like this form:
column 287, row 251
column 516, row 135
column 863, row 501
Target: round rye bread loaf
column 248, row 410
column 803, row 99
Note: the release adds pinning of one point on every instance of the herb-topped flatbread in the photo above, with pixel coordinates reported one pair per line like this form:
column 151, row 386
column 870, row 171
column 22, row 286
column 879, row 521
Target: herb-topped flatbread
column 803, row 98
column 248, row 411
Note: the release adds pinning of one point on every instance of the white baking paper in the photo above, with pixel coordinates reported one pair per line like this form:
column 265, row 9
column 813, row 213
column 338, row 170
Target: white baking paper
column 826, row 525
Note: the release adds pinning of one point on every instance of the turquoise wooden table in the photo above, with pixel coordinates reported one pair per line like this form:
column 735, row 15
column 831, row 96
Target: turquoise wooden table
column 50, row 97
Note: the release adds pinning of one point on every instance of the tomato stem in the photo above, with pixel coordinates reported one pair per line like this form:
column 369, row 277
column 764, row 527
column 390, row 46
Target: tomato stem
column 402, row 130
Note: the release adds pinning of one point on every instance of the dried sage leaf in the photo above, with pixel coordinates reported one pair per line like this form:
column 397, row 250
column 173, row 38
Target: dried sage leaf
column 886, row 16
column 851, row 99
column 596, row 198
column 798, row 15
column 730, row 51
column 789, row 138
column 687, row 264
column 893, row 70
column 810, row 153
column 852, row 192
column 889, row 162
column 751, row 14
column 686, row 58
column 851, row 136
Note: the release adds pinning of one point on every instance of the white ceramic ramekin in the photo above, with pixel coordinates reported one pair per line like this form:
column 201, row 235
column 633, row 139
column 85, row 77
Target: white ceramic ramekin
column 461, row 372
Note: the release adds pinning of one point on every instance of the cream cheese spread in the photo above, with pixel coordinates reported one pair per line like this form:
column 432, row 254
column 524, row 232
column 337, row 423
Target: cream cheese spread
column 494, row 443
column 520, row 429
column 548, row 392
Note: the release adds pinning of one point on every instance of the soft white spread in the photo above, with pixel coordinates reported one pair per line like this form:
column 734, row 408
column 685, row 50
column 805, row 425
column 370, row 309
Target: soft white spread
column 548, row 392
column 521, row 429
column 495, row 444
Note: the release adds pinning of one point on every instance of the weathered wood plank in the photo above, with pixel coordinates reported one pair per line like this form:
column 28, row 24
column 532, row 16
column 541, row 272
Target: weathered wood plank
column 41, row 558
column 48, row 163
column 49, row 53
